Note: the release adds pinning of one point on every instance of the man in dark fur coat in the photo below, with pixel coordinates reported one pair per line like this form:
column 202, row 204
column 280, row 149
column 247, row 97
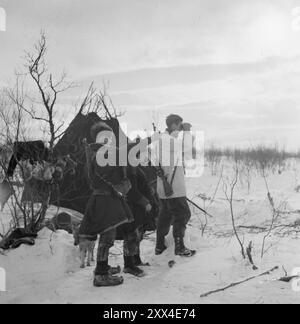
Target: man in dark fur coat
column 106, row 210
column 141, row 202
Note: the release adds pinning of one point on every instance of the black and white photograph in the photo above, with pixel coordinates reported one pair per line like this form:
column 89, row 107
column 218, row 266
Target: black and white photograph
column 149, row 154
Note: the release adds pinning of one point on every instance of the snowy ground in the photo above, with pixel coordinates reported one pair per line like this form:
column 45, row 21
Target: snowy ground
column 49, row 271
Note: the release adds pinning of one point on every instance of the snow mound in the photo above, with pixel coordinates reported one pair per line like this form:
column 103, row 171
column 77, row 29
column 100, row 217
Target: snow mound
column 33, row 271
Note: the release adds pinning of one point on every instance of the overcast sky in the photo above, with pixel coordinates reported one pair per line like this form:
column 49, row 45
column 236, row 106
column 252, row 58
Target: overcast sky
column 232, row 67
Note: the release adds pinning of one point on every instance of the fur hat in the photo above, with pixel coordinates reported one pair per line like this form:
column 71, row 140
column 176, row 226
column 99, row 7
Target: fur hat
column 97, row 128
column 173, row 119
column 187, row 126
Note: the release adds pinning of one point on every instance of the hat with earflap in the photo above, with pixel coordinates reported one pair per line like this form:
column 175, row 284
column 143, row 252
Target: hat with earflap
column 98, row 128
column 171, row 119
column 187, row 127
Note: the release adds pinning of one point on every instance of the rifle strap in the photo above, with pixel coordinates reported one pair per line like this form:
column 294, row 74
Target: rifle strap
column 108, row 183
column 174, row 173
column 173, row 176
column 88, row 156
column 89, row 152
column 124, row 170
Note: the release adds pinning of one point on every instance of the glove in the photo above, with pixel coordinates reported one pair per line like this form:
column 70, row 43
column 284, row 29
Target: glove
column 148, row 208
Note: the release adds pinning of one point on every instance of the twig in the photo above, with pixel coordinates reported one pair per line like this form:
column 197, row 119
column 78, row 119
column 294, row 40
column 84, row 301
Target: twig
column 229, row 198
column 285, row 272
column 253, row 227
column 287, row 278
column 238, row 283
column 217, row 188
column 50, row 245
column 276, row 211
column 249, row 254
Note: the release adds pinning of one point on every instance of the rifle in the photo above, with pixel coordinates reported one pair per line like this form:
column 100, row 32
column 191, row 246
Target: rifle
column 198, row 207
column 154, row 127
column 169, row 191
column 160, row 172
column 167, row 186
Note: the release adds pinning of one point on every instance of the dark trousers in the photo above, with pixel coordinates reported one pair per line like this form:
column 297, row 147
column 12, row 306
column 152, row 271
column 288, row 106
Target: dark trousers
column 106, row 241
column 132, row 241
column 131, row 244
column 174, row 212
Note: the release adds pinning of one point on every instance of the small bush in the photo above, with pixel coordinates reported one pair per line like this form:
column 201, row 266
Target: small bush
column 262, row 158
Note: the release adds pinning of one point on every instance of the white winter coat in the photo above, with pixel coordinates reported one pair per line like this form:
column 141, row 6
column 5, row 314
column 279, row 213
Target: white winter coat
column 168, row 151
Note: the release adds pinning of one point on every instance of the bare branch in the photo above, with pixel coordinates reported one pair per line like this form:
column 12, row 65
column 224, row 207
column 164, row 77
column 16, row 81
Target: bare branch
column 229, row 197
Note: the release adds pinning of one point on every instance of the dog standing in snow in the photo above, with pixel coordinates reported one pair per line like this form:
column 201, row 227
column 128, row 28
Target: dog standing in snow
column 86, row 247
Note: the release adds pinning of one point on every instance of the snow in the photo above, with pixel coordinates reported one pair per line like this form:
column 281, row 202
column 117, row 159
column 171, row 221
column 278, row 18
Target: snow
column 34, row 272
column 49, row 272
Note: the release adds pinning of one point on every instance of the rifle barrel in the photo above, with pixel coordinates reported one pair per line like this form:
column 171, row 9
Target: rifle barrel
column 198, row 207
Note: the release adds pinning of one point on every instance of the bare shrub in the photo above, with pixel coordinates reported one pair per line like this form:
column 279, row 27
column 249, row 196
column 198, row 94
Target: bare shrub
column 276, row 212
column 213, row 156
column 43, row 109
column 229, row 186
column 259, row 158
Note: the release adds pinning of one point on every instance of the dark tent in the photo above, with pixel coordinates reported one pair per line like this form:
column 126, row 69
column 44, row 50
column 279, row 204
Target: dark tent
column 74, row 190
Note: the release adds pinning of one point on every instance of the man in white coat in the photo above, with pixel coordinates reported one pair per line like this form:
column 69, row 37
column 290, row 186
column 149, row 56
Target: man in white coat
column 170, row 149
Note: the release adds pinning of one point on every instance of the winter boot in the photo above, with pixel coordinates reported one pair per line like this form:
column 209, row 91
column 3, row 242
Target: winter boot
column 114, row 270
column 139, row 262
column 160, row 245
column 131, row 268
column 103, row 277
column 180, row 248
column 107, row 280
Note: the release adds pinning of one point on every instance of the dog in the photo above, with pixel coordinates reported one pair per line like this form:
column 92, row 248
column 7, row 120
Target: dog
column 86, row 247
